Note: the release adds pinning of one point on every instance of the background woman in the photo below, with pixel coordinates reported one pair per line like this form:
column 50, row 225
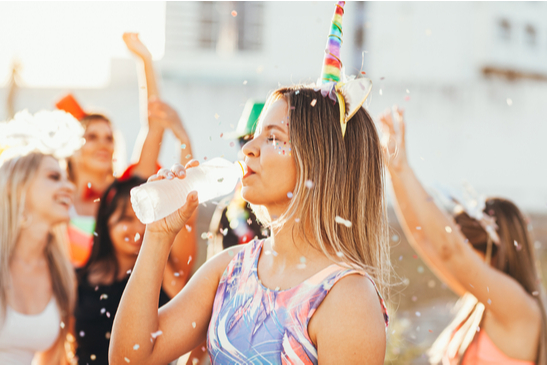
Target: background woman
column 91, row 167
column 487, row 259
column 308, row 304
column 36, row 279
column 102, row 280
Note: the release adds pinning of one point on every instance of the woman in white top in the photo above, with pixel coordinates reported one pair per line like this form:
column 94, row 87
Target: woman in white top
column 36, row 278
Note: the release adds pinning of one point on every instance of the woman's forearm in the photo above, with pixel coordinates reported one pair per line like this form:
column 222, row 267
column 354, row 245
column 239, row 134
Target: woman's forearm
column 151, row 81
column 420, row 216
column 136, row 321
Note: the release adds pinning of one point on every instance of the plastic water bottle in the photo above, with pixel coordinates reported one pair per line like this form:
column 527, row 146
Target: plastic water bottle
column 157, row 199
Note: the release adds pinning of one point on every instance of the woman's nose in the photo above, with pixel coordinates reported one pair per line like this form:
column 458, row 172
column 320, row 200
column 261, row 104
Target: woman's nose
column 250, row 149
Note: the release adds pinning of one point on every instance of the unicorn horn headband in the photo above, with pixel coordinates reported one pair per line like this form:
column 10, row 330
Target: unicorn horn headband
column 351, row 93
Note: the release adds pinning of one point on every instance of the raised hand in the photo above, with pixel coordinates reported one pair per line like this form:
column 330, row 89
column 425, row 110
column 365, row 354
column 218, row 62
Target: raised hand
column 174, row 222
column 162, row 114
column 393, row 140
column 135, row 45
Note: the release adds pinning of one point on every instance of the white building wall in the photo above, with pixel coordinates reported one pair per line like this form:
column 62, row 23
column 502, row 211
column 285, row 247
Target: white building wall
column 460, row 125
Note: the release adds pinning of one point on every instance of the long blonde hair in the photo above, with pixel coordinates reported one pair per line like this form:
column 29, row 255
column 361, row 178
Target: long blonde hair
column 518, row 262
column 348, row 181
column 16, row 175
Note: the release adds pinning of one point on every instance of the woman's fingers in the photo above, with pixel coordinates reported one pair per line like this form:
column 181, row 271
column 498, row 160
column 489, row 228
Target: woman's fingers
column 192, row 163
column 186, row 211
column 178, row 171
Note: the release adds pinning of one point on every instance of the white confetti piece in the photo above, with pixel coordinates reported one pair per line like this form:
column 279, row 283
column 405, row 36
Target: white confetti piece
column 126, row 359
column 188, row 228
column 103, row 296
column 92, row 357
column 313, row 102
column 137, row 237
column 341, row 220
column 189, row 260
column 136, row 347
column 156, row 334
column 509, row 102
column 309, row 184
column 340, row 254
column 418, row 314
column 62, row 324
column 289, row 195
column 82, row 333
column 194, row 324
column 448, row 229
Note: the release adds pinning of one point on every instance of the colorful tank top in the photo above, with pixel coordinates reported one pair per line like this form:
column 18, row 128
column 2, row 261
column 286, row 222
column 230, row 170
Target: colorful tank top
column 252, row 324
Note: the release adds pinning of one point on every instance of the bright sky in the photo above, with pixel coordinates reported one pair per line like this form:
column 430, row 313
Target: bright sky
column 70, row 44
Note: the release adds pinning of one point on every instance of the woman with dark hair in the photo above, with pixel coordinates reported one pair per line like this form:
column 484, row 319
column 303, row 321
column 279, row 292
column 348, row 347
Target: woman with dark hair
column 485, row 256
column 101, row 282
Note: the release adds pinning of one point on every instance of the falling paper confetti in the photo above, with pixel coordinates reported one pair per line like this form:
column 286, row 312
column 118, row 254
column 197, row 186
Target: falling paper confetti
column 309, row 184
column 89, row 185
column 156, row 334
column 194, row 324
column 509, row 102
column 103, row 296
column 313, row 102
column 289, row 195
column 234, row 13
column 137, row 236
column 126, row 359
column 183, row 146
column 188, row 228
column 341, row 220
column 448, row 229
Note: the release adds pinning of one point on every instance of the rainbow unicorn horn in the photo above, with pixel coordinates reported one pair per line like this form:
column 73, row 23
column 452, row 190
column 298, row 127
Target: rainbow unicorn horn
column 332, row 65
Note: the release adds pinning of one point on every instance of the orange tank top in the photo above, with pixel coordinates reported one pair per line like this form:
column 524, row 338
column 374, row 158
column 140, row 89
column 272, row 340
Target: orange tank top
column 482, row 351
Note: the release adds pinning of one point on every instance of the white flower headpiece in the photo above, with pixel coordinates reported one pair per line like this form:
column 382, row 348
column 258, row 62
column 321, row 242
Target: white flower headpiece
column 56, row 133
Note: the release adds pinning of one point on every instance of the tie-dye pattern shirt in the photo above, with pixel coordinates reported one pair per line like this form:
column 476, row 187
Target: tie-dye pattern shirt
column 252, row 324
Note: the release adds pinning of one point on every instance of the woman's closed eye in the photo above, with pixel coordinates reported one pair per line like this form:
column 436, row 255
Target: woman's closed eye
column 55, row 176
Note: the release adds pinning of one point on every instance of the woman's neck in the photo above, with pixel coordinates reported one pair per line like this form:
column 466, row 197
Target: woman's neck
column 125, row 264
column 99, row 180
column 291, row 247
column 31, row 243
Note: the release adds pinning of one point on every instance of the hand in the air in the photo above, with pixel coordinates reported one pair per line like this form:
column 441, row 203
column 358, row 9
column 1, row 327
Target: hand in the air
column 393, row 140
column 174, row 222
column 135, row 45
column 163, row 115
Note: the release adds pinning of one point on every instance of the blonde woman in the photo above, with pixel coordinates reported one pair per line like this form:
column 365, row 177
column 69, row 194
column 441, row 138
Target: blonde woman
column 305, row 295
column 484, row 256
column 37, row 286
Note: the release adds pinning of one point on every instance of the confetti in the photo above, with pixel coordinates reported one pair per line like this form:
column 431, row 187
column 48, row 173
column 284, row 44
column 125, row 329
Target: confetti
column 407, row 98
column 204, row 236
column 234, row 13
column 340, row 254
column 220, row 180
column 103, row 296
column 137, row 236
column 313, row 102
column 509, row 102
column 395, row 238
column 245, row 82
column 400, row 257
column 95, row 234
column 128, row 272
column 431, row 284
column 103, row 310
column 224, row 231
column 309, row 184
column 92, row 357
column 189, row 259
column 126, row 239
column 517, row 246
column 418, row 228
column 108, row 314
column 62, row 324
column 341, row 220
column 418, row 314
column 156, row 334
column 267, row 252
column 89, row 185
column 231, row 253
column 297, row 220
column 420, row 269
column 82, row 333
column 448, row 229
column 107, row 335
column 194, row 324
column 188, row 228
column 126, row 359
column 407, row 91
column 289, row 195
column 217, row 116
column 380, row 92
column 188, row 156
column 414, row 298
column 97, row 200
column 489, row 301
column 232, row 144
column 183, row 146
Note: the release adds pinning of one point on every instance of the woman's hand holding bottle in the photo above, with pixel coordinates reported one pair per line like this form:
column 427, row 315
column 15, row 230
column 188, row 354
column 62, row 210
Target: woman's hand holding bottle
column 176, row 221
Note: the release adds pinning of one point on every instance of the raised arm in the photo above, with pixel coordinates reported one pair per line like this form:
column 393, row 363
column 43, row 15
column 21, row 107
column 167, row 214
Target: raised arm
column 440, row 243
column 143, row 335
column 147, row 146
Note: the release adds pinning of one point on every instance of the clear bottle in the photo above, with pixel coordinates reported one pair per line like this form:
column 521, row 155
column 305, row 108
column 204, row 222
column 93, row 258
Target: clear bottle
column 155, row 200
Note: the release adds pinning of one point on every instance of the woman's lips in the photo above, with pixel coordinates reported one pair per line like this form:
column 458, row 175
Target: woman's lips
column 249, row 172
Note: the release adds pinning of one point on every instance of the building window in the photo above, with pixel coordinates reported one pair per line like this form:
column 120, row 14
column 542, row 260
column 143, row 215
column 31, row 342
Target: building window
column 531, row 35
column 223, row 27
column 504, row 30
